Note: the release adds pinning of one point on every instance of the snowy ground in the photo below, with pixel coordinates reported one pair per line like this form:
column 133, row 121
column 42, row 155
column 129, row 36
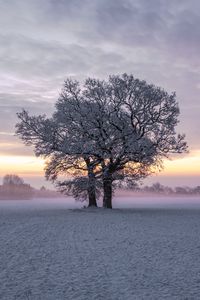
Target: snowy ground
column 52, row 252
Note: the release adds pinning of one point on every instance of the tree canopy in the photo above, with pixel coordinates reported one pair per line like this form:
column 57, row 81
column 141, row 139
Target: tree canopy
column 103, row 132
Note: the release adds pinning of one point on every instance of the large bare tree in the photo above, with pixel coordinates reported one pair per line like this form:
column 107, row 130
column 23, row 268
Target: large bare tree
column 105, row 131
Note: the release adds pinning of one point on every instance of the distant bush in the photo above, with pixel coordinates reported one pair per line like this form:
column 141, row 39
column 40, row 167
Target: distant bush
column 14, row 188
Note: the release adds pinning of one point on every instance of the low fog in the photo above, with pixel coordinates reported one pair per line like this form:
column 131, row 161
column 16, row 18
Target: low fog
column 121, row 200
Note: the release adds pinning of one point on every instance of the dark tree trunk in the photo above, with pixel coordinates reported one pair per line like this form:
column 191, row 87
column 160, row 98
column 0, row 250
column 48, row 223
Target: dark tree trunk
column 91, row 188
column 107, row 188
column 92, row 198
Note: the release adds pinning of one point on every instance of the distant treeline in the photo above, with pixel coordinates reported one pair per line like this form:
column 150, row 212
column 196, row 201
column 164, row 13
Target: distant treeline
column 14, row 187
column 158, row 188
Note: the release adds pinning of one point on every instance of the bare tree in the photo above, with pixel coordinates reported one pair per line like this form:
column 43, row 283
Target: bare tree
column 14, row 188
column 12, row 179
column 110, row 130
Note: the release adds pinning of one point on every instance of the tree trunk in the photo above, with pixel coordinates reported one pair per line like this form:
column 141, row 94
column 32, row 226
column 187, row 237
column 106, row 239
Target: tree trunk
column 92, row 197
column 91, row 189
column 91, row 183
column 107, row 188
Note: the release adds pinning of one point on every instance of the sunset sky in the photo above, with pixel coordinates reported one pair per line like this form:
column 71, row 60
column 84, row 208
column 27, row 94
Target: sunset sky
column 42, row 42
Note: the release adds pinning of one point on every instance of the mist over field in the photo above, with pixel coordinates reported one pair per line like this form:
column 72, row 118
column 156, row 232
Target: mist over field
column 122, row 199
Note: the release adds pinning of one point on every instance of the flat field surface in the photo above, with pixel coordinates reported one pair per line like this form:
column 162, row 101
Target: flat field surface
column 59, row 253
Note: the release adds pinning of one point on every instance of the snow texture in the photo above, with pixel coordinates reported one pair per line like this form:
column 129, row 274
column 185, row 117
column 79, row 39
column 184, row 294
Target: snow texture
column 58, row 253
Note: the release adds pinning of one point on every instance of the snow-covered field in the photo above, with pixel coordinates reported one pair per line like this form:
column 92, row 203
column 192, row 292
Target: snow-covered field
column 48, row 251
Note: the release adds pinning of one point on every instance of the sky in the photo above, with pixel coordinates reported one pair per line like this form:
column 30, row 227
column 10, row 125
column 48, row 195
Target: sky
column 42, row 42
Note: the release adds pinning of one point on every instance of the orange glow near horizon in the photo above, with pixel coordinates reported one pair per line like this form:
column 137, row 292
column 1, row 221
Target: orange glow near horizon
column 188, row 165
column 32, row 166
column 21, row 165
